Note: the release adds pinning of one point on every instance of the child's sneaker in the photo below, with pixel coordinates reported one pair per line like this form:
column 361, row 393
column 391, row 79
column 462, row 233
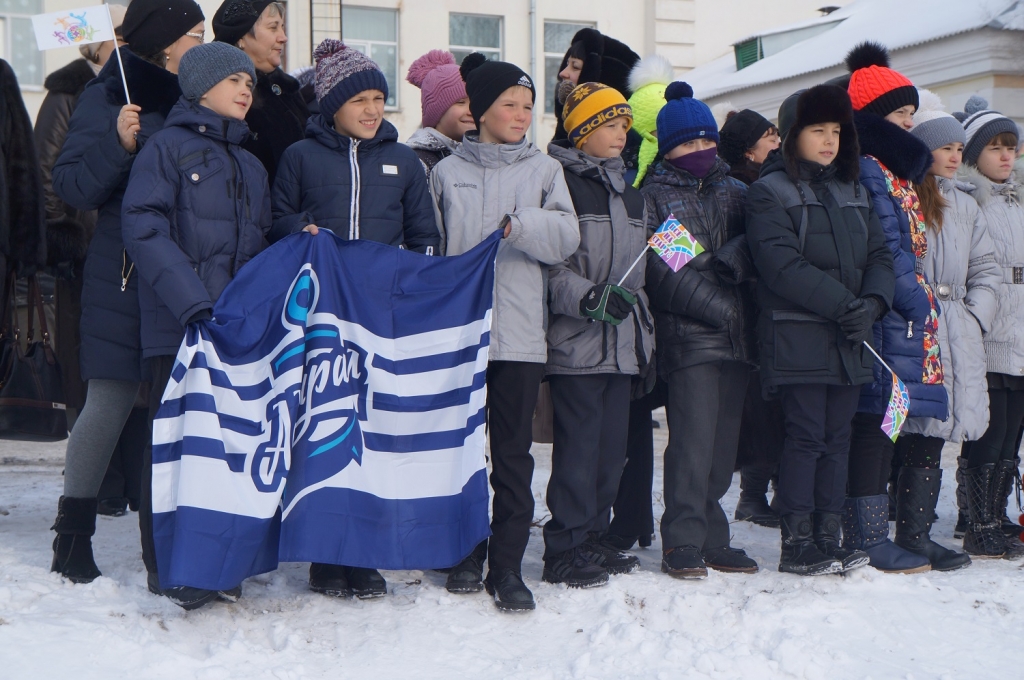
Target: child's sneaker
column 574, row 570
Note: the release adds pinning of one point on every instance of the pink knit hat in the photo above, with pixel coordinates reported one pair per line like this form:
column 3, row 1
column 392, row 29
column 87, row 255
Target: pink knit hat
column 441, row 85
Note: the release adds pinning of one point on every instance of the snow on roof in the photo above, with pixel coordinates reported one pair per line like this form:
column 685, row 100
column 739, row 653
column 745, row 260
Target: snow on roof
column 894, row 23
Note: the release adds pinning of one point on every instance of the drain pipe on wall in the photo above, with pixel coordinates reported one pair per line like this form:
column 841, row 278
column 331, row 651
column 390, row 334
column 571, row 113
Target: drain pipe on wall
column 533, row 67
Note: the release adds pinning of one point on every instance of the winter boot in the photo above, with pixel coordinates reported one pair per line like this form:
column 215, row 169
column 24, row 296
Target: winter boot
column 730, row 560
column 827, row 537
column 866, row 527
column 605, row 554
column 468, row 575
column 574, row 569
column 186, row 597
column 685, row 562
column 961, row 498
column 799, row 553
column 508, row 590
column 983, row 537
column 917, row 492
column 72, row 548
column 754, row 508
column 1006, row 480
column 329, row 579
column 366, row 583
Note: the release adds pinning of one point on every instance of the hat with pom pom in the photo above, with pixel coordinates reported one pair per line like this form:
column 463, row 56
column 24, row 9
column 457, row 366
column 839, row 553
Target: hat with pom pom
column 683, row 118
column 342, row 73
column 648, row 81
column 981, row 124
column 874, row 87
column 933, row 126
column 487, row 79
column 441, row 85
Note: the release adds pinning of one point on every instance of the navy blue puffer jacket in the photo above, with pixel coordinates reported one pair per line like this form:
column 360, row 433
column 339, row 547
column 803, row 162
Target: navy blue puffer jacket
column 196, row 209
column 91, row 173
column 373, row 189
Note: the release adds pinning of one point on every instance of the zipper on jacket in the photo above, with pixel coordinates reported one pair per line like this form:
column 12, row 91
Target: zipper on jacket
column 353, row 206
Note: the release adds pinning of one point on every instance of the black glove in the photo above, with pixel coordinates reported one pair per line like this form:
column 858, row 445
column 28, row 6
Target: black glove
column 605, row 302
column 860, row 316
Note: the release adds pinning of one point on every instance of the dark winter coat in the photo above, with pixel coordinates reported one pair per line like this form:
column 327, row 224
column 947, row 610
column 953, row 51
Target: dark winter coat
column 22, row 222
column 277, row 118
column 373, row 189
column 891, row 154
column 703, row 311
column 92, row 173
column 197, row 208
column 802, row 290
column 746, row 171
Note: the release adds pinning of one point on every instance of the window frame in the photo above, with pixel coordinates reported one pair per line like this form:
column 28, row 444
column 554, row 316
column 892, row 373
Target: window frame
column 478, row 48
column 394, row 88
column 549, row 96
column 6, row 42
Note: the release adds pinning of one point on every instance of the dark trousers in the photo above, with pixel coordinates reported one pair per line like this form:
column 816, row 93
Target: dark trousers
column 634, row 504
column 762, row 435
column 871, row 454
column 124, row 472
column 511, row 399
column 704, row 411
column 812, row 472
column 919, row 451
column 160, row 368
column 587, row 457
column 1006, row 413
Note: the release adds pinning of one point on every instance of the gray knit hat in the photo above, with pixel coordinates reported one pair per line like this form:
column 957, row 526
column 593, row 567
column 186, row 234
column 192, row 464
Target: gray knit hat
column 205, row 65
column 933, row 126
column 342, row 73
column 981, row 125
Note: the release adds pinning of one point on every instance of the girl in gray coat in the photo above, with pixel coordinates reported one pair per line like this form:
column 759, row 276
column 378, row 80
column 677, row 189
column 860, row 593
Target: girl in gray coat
column 962, row 269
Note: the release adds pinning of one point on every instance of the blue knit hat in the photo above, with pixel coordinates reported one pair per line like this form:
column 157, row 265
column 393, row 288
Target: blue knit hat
column 203, row 66
column 342, row 73
column 683, row 118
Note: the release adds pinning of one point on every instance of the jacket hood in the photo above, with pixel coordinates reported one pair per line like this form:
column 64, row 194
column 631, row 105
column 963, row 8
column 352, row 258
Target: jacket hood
column 493, row 155
column 322, row 130
column 70, row 79
column 905, row 155
column 773, row 162
column 208, row 123
column 606, row 170
column 431, row 140
column 666, row 173
column 151, row 87
column 982, row 189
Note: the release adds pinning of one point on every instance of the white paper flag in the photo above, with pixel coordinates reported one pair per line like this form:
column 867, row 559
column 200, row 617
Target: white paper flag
column 72, row 27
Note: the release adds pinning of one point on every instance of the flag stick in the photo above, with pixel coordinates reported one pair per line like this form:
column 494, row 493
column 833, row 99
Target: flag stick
column 117, row 51
column 880, row 359
column 629, row 271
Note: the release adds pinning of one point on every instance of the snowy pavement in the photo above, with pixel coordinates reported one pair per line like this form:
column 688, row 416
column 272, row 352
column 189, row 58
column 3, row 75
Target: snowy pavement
column 964, row 624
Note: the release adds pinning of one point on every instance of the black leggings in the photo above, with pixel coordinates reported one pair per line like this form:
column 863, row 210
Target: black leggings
column 1006, row 412
column 870, row 457
column 919, row 451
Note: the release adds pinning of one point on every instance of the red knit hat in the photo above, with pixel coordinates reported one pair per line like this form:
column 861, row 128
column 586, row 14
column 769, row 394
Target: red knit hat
column 874, row 87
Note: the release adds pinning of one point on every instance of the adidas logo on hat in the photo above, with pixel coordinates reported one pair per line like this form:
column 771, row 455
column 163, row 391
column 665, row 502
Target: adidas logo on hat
column 525, row 82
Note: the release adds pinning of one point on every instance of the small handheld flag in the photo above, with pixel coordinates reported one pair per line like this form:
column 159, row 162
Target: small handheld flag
column 673, row 244
column 899, row 401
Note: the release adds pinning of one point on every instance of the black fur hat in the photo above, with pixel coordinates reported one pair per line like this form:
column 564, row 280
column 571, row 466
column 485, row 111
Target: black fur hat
column 823, row 104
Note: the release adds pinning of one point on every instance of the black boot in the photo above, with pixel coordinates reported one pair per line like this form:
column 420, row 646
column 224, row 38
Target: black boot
column 468, row 575
column 755, row 509
column 574, row 569
column 508, row 590
column 917, row 492
column 827, row 532
column 366, row 583
column 72, row 548
column 983, row 537
column 186, row 597
column 799, row 553
column 607, row 555
column 329, row 579
column 1006, row 480
column 961, row 497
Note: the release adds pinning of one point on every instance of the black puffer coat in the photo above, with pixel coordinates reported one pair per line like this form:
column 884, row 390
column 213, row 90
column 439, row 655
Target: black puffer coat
column 703, row 311
column 277, row 118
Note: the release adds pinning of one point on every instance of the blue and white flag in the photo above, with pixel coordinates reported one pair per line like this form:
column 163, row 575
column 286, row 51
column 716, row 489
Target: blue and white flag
column 332, row 411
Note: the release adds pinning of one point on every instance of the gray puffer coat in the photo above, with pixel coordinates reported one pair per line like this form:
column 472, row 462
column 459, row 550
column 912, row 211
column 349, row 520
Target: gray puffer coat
column 474, row 189
column 961, row 266
column 1003, row 208
column 613, row 234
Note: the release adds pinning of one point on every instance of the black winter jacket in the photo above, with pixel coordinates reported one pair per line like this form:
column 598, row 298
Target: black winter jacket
column 373, row 189
column 92, row 173
column 702, row 312
column 277, row 118
column 803, row 289
column 196, row 209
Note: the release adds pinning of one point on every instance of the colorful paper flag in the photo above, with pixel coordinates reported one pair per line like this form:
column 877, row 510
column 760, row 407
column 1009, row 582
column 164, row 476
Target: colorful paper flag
column 72, row 28
column 674, row 244
column 896, row 413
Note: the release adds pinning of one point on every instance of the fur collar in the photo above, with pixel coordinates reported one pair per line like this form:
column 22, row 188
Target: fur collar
column 905, row 155
column 982, row 189
column 70, row 79
column 151, row 87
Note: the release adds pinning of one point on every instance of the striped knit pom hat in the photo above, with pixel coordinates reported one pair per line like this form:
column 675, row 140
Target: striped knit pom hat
column 342, row 73
column 874, row 87
column 981, row 124
column 933, row 126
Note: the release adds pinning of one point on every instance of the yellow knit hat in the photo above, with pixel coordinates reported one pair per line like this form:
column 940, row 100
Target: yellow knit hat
column 591, row 105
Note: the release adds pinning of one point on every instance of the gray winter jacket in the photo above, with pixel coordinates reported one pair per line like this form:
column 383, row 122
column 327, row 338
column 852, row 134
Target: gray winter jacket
column 967, row 281
column 1004, row 214
column 613, row 234
column 473, row 190
column 431, row 147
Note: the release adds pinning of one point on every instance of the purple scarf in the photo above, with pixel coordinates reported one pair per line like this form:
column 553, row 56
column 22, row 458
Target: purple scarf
column 698, row 163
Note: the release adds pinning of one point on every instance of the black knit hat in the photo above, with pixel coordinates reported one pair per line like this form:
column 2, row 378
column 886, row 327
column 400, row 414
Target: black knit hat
column 740, row 133
column 486, row 80
column 153, row 25
column 234, row 18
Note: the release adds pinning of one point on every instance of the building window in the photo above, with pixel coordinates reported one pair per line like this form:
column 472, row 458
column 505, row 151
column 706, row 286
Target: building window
column 18, row 40
column 748, row 52
column 469, row 33
column 324, row 20
column 557, row 39
column 374, row 32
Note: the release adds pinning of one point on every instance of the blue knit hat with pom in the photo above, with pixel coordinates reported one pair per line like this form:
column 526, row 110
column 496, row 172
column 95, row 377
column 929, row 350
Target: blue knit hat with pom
column 683, row 118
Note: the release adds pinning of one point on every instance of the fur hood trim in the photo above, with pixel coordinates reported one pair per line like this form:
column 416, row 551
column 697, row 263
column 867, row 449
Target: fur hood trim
column 903, row 153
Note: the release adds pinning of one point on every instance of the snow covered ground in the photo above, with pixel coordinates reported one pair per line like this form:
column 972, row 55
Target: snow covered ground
column 643, row 625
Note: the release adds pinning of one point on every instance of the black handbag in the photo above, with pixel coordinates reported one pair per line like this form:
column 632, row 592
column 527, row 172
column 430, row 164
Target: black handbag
column 32, row 404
